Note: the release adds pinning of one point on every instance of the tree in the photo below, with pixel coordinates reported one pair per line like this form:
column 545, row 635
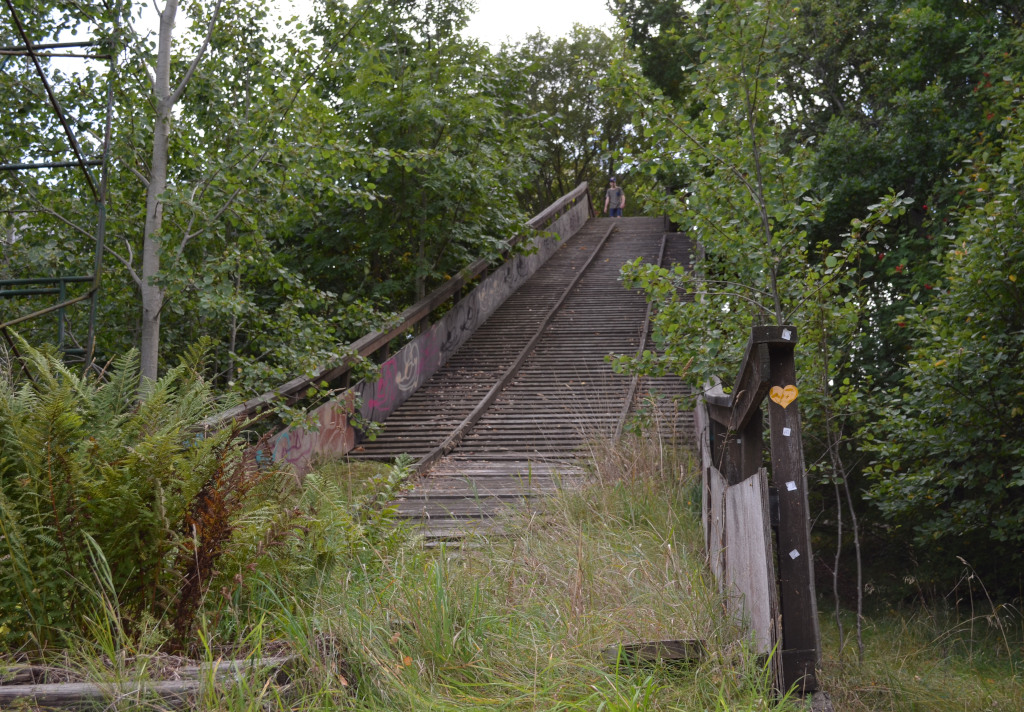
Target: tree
column 949, row 447
column 571, row 110
column 803, row 146
column 165, row 100
column 245, row 157
column 660, row 32
column 406, row 88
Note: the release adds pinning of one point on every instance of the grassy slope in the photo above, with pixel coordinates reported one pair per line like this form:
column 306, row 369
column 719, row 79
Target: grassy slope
column 519, row 623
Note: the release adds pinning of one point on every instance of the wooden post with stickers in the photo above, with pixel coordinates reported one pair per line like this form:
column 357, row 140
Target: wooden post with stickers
column 800, row 647
column 758, row 531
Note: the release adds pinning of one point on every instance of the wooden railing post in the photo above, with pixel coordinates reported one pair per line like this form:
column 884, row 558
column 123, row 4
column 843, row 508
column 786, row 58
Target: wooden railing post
column 734, row 452
column 800, row 635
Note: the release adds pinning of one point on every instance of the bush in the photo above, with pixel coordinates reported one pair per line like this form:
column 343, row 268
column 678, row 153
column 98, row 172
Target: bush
column 93, row 470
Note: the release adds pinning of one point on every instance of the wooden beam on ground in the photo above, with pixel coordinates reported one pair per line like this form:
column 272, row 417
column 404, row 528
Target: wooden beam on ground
column 177, row 694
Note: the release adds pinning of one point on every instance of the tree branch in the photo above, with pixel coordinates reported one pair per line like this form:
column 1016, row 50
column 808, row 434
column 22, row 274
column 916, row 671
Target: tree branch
column 126, row 264
column 176, row 94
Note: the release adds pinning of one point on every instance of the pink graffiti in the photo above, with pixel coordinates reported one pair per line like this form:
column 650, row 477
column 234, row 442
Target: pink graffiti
column 383, row 391
column 333, row 437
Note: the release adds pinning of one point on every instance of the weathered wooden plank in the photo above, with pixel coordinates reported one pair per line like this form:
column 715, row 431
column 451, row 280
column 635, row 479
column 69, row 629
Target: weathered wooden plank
column 176, row 694
column 733, row 410
column 701, row 429
column 679, row 651
column 749, row 573
column 474, row 416
column 635, row 382
column 717, row 537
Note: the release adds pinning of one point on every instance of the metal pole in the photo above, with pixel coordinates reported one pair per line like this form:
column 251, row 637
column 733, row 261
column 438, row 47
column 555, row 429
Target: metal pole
column 60, row 317
column 72, row 141
column 101, row 223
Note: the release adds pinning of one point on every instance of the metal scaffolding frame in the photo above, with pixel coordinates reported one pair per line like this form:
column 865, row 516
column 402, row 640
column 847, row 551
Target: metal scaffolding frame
column 57, row 286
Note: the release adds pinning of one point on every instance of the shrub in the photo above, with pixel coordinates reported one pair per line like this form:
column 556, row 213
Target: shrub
column 92, row 469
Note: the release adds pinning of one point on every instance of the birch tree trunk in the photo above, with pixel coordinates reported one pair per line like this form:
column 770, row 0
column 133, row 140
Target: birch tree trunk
column 152, row 293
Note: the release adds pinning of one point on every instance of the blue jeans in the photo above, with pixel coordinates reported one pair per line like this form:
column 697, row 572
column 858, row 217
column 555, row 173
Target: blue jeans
column 615, row 212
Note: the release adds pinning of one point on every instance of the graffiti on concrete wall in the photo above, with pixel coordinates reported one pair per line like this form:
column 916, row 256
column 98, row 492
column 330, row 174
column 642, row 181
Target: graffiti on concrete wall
column 330, row 434
column 333, row 434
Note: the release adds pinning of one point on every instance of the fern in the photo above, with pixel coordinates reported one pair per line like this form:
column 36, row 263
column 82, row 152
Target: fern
column 107, row 471
column 91, row 466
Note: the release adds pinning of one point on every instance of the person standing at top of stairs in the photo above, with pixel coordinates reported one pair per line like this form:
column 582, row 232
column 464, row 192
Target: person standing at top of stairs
column 614, row 198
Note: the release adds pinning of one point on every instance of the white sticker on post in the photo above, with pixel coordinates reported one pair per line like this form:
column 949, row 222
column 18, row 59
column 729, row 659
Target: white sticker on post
column 787, row 334
column 791, row 486
column 794, row 554
column 739, row 440
column 787, row 432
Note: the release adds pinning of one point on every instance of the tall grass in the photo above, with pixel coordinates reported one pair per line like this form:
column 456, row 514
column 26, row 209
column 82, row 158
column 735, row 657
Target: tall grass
column 520, row 622
column 929, row 658
column 374, row 621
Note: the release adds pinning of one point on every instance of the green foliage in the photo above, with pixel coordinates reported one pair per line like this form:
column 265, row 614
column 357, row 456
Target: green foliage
column 796, row 120
column 324, row 530
column 406, row 87
column 750, row 204
column 110, row 497
column 950, row 445
column 570, row 108
column 659, row 31
column 930, row 657
column 520, row 621
column 93, row 469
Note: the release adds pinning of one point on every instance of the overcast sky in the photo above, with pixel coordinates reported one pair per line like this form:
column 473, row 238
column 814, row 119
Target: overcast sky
column 498, row 20
column 494, row 22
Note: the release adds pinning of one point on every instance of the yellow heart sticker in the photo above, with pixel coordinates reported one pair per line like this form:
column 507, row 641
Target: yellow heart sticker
column 783, row 396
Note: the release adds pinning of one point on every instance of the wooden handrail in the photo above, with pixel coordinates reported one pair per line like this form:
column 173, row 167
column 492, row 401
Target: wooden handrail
column 752, row 381
column 549, row 214
column 734, row 451
column 369, row 344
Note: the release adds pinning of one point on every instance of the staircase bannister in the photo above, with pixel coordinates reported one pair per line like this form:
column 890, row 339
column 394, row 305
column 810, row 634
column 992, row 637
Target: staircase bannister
column 551, row 213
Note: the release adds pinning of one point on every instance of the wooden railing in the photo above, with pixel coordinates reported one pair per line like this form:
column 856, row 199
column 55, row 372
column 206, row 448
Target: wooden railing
column 332, row 431
column 367, row 346
column 758, row 536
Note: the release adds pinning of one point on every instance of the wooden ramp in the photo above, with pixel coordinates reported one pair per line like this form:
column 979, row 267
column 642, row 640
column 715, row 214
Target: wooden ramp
column 506, row 419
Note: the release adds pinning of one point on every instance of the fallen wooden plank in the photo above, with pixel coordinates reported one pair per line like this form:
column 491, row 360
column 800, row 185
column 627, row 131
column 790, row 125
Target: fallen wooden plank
column 176, row 693
column 79, row 695
column 678, row 651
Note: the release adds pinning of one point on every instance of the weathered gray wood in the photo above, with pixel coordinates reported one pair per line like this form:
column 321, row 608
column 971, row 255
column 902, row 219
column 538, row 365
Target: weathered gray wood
column 749, row 572
column 221, row 669
column 27, row 674
column 700, row 427
column 718, row 538
column 176, row 694
column 473, row 418
column 733, row 410
column 733, row 442
column 627, row 405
